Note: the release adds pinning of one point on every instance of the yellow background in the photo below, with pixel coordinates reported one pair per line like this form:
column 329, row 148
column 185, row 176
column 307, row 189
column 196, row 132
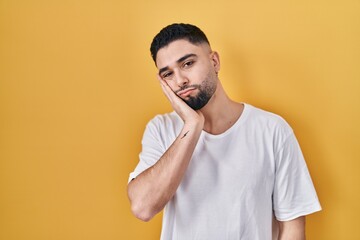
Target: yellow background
column 77, row 86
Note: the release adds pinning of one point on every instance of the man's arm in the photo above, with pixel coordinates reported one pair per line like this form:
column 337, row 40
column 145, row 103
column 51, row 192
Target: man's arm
column 153, row 188
column 292, row 230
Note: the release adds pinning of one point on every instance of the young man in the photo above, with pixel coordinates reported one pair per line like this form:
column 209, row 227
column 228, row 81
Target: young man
column 223, row 170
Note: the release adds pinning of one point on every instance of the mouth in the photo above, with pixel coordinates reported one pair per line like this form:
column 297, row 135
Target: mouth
column 186, row 92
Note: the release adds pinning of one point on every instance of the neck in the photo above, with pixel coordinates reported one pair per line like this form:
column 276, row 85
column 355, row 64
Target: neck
column 220, row 112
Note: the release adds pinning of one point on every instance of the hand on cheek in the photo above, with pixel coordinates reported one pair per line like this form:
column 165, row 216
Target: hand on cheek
column 179, row 106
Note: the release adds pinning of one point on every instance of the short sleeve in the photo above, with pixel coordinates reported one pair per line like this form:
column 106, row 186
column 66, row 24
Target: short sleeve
column 294, row 194
column 152, row 149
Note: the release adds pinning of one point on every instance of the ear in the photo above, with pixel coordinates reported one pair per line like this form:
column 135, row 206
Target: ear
column 215, row 60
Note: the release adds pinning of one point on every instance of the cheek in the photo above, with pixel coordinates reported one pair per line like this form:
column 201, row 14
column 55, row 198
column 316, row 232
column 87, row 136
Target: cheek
column 172, row 85
column 194, row 75
column 199, row 75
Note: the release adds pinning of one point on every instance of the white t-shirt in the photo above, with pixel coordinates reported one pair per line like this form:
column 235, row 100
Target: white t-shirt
column 236, row 182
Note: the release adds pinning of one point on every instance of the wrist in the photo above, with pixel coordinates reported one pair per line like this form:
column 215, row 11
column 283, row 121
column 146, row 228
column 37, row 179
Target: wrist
column 194, row 124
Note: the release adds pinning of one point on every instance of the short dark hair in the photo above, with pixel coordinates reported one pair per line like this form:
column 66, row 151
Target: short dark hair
column 174, row 32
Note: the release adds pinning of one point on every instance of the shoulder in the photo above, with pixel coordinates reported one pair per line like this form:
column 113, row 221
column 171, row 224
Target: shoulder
column 164, row 127
column 165, row 121
column 267, row 121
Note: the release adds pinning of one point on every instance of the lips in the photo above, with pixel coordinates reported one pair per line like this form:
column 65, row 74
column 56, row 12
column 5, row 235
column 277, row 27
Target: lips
column 185, row 92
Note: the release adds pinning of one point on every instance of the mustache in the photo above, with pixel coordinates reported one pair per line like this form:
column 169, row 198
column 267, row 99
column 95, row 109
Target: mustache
column 188, row 86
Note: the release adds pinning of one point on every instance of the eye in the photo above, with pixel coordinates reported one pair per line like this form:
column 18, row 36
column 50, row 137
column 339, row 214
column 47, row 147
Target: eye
column 188, row 64
column 167, row 75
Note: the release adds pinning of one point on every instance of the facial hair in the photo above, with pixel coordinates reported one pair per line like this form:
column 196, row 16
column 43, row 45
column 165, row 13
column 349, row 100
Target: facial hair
column 206, row 91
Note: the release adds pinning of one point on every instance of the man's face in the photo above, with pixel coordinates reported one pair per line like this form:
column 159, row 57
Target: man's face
column 190, row 71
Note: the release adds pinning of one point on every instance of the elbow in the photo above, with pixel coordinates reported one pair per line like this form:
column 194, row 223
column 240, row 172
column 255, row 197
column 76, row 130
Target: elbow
column 139, row 210
column 141, row 213
column 140, row 206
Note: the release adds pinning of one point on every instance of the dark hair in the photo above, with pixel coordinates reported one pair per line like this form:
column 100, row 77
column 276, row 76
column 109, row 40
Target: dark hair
column 174, row 32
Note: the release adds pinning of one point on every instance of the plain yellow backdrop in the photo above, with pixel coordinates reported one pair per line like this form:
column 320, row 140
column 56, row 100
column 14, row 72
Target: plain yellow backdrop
column 77, row 86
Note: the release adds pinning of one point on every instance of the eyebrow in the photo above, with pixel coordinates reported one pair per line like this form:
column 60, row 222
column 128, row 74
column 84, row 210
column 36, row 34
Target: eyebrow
column 178, row 61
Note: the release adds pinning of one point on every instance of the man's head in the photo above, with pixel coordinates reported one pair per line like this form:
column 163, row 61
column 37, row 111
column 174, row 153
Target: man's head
column 175, row 32
column 186, row 62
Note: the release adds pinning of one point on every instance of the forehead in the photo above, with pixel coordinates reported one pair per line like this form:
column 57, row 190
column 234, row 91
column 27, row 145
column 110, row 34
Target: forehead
column 169, row 54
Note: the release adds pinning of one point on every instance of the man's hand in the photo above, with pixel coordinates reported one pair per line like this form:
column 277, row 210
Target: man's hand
column 187, row 114
column 151, row 190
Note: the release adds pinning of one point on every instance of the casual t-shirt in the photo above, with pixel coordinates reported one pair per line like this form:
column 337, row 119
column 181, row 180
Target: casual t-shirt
column 236, row 182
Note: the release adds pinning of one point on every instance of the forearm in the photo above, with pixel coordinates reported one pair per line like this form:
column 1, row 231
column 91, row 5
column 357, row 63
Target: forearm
column 292, row 230
column 154, row 187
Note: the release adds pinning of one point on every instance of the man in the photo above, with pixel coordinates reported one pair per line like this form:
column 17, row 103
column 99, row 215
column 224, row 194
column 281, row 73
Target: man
column 221, row 169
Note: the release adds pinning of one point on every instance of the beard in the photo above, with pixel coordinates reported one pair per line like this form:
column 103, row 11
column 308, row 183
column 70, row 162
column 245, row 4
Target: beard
column 206, row 91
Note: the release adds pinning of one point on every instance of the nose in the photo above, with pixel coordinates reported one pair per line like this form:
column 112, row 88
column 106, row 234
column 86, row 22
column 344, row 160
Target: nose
column 181, row 79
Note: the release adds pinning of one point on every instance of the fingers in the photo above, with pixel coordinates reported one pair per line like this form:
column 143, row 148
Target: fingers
column 163, row 84
column 166, row 89
column 186, row 113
